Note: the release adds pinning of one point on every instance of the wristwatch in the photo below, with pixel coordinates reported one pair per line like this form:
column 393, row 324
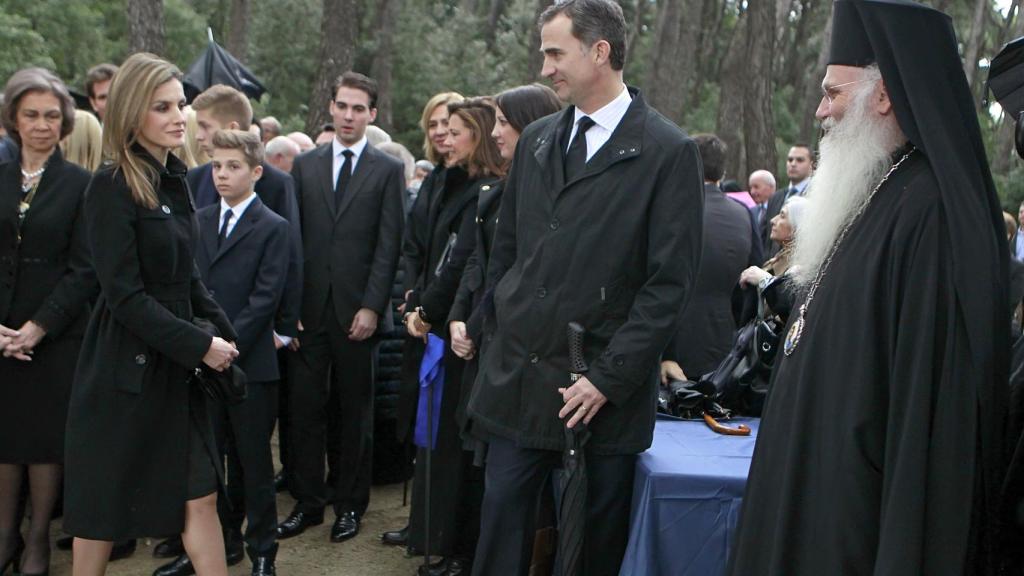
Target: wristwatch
column 423, row 315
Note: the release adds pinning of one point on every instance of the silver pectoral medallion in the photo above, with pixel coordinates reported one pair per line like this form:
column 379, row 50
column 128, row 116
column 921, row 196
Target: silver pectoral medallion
column 793, row 337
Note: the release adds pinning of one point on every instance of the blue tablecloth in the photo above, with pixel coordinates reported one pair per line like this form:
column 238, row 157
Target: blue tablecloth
column 686, row 499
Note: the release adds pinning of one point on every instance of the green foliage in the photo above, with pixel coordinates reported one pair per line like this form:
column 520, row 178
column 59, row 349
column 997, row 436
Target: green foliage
column 20, row 45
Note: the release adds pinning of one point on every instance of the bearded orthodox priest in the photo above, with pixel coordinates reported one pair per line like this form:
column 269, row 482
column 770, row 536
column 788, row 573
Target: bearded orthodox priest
column 879, row 451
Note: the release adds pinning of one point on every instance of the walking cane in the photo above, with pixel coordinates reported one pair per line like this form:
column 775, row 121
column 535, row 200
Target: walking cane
column 426, row 502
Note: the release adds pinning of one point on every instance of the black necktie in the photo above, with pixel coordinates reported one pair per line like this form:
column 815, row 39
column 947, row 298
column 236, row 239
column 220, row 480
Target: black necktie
column 344, row 175
column 224, row 228
column 576, row 157
column 792, row 192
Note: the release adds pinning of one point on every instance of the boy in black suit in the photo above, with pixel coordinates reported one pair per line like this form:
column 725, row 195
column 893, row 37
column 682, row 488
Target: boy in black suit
column 243, row 260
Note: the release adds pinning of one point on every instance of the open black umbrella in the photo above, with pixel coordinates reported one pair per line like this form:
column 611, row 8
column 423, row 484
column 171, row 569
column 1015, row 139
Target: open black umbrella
column 572, row 513
column 1006, row 77
column 217, row 66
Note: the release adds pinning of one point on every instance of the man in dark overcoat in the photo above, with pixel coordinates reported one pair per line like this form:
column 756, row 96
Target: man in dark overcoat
column 600, row 224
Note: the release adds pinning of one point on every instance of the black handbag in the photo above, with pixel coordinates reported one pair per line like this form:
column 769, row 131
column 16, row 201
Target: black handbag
column 228, row 387
column 741, row 380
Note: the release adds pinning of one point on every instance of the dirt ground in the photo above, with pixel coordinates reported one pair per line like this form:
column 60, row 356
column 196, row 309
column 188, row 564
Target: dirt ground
column 310, row 554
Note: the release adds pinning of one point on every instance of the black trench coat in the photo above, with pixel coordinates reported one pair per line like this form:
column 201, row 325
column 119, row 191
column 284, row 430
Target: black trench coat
column 617, row 250
column 126, row 448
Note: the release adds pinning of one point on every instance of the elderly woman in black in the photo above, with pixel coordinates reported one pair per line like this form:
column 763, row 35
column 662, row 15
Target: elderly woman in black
column 137, row 460
column 45, row 285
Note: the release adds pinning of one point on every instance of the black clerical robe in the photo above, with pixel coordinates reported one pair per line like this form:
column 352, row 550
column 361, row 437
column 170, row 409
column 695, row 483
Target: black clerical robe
column 867, row 459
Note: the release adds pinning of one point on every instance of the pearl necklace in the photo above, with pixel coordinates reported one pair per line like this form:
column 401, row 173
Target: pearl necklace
column 28, row 177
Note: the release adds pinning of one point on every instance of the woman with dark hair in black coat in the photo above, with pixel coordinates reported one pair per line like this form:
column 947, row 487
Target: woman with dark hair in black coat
column 45, row 286
column 516, row 108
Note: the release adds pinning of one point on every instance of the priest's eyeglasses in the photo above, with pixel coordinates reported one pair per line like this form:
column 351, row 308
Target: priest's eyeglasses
column 830, row 93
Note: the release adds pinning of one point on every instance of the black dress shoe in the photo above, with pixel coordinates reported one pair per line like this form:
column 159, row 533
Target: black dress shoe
column 297, row 522
column 459, row 567
column 439, row 568
column 234, row 547
column 180, row 566
column 280, row 482
column 396, row 537
column 263, row 563
column 170, row 548
column 122, row 549
column 63, row 543
column 346, row 526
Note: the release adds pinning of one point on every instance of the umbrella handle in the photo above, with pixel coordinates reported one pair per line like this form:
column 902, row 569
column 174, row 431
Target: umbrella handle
column 720, row 428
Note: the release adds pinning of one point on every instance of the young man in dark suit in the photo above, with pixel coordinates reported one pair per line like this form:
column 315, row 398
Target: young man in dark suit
column 243, row 260
column 222, row 107
column 350, row 198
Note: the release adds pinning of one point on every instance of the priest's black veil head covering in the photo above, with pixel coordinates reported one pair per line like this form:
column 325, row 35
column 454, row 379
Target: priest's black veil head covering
column 915, row 49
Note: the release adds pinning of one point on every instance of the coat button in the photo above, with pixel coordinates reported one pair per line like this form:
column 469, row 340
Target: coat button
column 534, row 358
column 140, row 359
column 485, row 188
column 166, row 209
column 554, row 224
column 542, row 292
column 619, row 361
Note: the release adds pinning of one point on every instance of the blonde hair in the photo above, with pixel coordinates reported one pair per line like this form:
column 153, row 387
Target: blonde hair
column 442, row 99
column 226, row 105
column 84, row 146
column 242, row 140
column 192, row 153
column 127, row 106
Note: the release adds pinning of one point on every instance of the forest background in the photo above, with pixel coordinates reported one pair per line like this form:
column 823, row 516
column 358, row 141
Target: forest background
column 747, row 70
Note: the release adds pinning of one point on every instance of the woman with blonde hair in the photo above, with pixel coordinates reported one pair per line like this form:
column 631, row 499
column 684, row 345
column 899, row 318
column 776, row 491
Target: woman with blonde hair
column 138, row 457
column 84, row 146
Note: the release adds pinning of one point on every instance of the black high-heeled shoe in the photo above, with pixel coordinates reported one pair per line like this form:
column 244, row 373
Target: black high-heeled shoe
column 13, row 561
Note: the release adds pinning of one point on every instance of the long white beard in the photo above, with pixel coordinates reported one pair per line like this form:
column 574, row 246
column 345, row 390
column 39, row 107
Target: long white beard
column 855, row 153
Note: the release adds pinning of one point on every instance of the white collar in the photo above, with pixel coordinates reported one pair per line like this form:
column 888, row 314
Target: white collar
column 609, row 115
column 357, row 148
column 238, row 210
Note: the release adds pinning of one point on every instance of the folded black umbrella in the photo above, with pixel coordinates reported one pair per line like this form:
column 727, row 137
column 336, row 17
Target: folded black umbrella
column 572, row 513
column 217, row 66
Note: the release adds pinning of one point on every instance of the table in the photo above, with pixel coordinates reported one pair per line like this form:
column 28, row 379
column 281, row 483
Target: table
column 686, row 499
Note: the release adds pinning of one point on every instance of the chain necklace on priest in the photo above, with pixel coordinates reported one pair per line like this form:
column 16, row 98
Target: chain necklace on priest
column 797, row 330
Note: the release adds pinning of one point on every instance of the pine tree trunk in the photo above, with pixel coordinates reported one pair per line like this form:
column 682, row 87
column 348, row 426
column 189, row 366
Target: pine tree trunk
column 336, row 55
column 812, row 88
column 535, row 58
column 493, row 18
column 238, row 29
column 383, row 59
column 146, row 26
column 732, row 83
column 975, row 39
column 758, row 119
column 670, row 74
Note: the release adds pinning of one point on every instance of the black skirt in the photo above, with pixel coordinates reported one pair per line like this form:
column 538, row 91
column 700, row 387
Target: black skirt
column 34, row 403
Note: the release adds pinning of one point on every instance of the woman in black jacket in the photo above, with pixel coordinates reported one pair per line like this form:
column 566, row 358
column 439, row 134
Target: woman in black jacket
column 474, row 165
column 515, row 109
column 138, row 457
column 45, row 285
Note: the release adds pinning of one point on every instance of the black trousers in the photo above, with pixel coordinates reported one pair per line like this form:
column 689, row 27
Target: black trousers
column 514, row 478
column 283, row 423
column 243, row 435
column 331, row 375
